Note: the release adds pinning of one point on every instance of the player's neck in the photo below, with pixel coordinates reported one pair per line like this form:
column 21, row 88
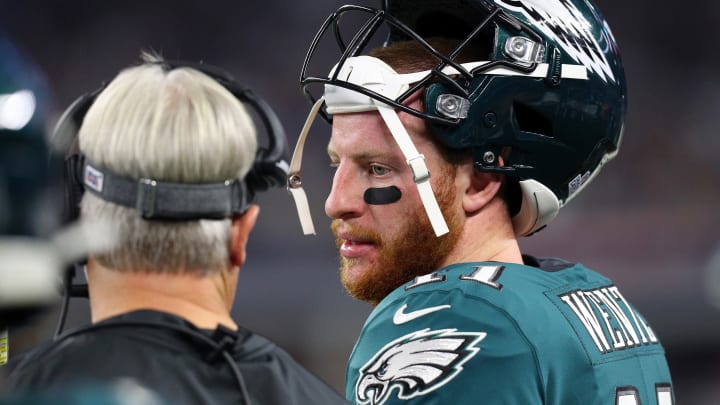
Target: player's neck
column 487, row 236
column 201, row 300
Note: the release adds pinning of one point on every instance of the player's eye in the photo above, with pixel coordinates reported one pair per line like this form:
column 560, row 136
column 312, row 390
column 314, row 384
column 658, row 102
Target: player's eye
column 378, row 170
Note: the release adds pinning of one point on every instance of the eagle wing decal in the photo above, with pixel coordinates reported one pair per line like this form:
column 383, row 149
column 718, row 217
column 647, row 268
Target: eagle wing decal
column 415, row 364
column 562, row 21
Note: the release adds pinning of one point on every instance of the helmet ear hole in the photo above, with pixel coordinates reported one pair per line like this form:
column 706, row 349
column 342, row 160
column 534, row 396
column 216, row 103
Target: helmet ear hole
column 529, row 119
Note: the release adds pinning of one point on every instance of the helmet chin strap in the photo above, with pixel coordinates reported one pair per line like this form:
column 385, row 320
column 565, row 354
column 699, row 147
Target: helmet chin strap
column 372, row 73
column 416, row 161
column 294, row 184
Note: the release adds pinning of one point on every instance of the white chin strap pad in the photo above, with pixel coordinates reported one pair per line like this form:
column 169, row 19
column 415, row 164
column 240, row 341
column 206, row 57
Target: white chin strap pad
column 539, row 206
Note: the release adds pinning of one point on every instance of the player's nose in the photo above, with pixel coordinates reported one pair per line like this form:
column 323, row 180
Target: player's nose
column 346, row 197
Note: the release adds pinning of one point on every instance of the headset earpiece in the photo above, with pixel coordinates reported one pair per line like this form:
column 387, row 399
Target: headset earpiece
column 65, row 137
column 271, row 166
column 271, row 163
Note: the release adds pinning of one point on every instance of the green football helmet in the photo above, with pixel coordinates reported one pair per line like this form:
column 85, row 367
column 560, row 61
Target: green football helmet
column 24, row 155
column 547, row 92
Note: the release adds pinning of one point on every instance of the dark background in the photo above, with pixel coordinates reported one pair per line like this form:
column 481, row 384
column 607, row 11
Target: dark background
column 650, row 221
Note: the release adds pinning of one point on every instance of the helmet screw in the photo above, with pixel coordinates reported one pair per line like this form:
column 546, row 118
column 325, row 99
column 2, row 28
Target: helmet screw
column 294, row 181
column 450, row 104
column 488, row 157
column 490, row 120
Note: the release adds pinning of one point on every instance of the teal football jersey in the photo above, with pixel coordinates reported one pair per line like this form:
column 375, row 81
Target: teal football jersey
column 497, row 333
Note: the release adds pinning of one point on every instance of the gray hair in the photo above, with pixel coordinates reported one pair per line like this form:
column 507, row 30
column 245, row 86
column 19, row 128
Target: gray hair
column 176, row 126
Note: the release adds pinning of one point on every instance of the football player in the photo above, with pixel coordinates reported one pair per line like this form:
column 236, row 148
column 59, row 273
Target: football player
column 469, row 125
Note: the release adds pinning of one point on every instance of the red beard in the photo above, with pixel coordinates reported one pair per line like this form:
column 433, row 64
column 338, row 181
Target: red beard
column 415, row 252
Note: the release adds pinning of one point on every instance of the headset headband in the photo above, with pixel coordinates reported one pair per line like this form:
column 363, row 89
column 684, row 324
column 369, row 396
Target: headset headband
column 164, row 200
column 174, row 201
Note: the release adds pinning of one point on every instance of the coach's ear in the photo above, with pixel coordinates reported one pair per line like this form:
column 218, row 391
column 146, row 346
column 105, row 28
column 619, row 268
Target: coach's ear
column 239, row 234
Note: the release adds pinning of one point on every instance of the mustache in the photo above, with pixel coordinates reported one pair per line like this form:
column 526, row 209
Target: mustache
column 364, row 234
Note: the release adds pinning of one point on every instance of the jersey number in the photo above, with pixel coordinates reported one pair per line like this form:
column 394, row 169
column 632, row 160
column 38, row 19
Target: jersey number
column 487, row 275
column 630, row 396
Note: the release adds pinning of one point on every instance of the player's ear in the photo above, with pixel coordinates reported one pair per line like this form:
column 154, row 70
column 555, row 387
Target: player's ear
column 239, row 234
column 480, row 187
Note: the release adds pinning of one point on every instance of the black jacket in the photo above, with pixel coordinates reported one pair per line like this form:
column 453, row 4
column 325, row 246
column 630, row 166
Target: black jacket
column 179, row 362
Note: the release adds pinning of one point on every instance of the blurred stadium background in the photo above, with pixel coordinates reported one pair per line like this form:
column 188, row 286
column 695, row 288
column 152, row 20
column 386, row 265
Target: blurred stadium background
column 650, row 221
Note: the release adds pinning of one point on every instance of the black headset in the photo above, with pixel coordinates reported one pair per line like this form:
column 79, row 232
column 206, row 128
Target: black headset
column 174, row 201
column 157, row 200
